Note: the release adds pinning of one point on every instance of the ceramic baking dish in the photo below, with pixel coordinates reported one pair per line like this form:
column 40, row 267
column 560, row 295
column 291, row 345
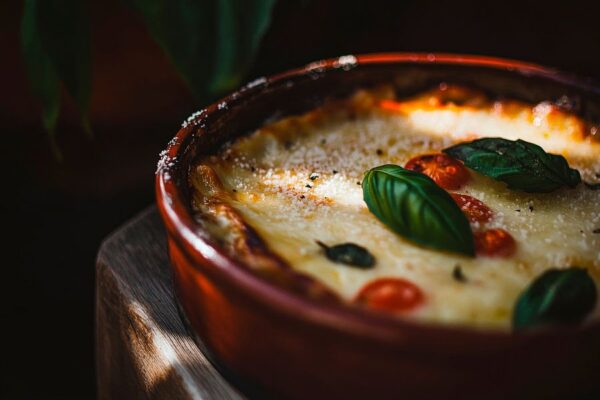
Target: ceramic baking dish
column 274, row 343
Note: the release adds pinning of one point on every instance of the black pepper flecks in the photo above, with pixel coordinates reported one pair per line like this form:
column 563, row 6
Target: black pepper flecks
column 358, row 183
column 313, row 176
column 531, row 208
column 379, row 152
column 308, row 186
column 518, row 210
column 334, row 171
column 302, row 196
column 596, row 230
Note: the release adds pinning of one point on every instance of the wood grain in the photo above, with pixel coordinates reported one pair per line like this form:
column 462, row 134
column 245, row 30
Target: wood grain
column 143, row 350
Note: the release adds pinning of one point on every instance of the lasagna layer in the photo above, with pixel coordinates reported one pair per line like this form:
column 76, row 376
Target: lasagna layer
column 269, row 196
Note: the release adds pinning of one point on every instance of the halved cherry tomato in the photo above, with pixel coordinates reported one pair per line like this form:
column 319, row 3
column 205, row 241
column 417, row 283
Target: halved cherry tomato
column 447, row 172
column 390, row 295
column 474, row 209
column 494, row 243
column 394, row 106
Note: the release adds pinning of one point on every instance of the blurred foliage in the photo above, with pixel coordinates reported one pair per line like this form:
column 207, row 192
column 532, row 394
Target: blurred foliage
column 211, row 43
column 55, row 36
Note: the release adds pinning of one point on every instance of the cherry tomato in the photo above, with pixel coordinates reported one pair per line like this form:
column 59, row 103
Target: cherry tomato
column 447, row 172
column 391, row 105
column 474, row 209
column 390, row 295
column 494, row 243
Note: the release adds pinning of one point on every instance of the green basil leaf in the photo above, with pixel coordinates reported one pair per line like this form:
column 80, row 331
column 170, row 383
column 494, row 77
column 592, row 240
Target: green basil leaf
column 556, row 297
column 458, row 274
column 211, row 43
column 522, row 165
column 412, row 205
column 349, row 254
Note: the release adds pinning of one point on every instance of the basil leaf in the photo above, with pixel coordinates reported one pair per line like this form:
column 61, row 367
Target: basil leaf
column 412, row 205
column 522, row 165
column 458, row 275
column 556, row 297
column 349, row 254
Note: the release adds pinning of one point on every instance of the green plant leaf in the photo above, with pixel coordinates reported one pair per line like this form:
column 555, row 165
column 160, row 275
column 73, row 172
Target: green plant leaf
column 412, row 205
column 42, row 76
column 521, row 165
column 350, row 254
column 65, row 29
column 55, row 36
column 556, row 297
column 211, row 43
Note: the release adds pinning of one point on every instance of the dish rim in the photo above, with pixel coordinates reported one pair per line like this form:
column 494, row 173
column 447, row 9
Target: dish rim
column 180, row 225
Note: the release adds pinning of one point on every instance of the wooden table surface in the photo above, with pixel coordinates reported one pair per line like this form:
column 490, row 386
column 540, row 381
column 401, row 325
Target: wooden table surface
column 143, row 350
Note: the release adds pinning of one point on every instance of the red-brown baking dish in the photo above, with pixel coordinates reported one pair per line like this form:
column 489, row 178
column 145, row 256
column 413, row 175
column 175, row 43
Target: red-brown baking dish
column 281, row 345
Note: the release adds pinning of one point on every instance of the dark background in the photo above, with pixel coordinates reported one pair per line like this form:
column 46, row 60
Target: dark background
column 54, row 215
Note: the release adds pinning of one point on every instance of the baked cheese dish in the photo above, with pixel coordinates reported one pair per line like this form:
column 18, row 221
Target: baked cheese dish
column 431, row 208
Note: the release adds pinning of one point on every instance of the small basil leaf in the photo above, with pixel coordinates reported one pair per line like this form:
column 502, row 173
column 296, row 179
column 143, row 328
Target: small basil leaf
column 458, row 274
column 349, row 254
column 412, row 205
column 521, row 165
column 556, row 297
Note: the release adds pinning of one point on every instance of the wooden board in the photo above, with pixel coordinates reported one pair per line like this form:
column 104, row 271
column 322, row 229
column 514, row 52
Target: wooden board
column 143, row 350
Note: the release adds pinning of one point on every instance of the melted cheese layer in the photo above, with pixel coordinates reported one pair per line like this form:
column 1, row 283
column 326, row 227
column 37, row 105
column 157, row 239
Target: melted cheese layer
column 268, row 174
